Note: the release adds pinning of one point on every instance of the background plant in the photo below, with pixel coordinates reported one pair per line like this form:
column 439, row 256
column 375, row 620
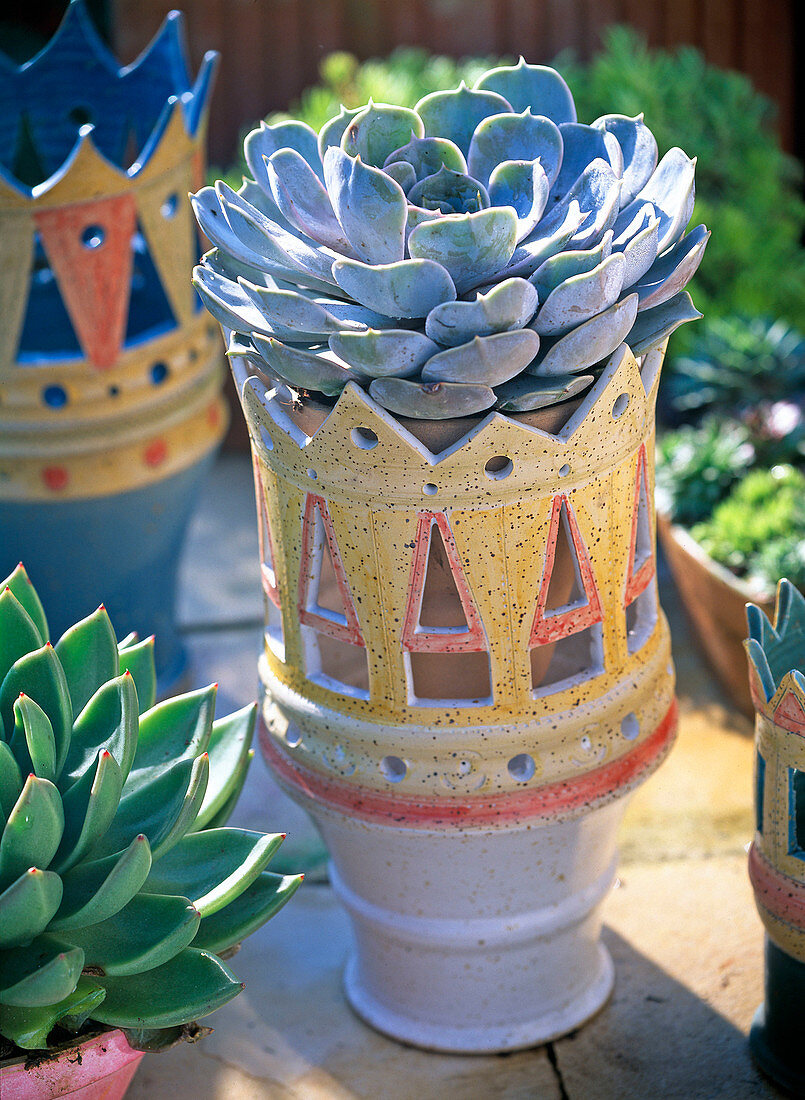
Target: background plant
column 120, row 887
column 758, row 531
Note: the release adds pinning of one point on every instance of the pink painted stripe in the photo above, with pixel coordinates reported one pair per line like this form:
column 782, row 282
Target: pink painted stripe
column 549, row 801
column 782, row 896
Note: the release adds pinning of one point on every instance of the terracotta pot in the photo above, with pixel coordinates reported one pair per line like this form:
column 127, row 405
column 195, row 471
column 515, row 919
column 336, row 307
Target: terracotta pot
column 715, row 602
column 100, row 1067
column 466, row 671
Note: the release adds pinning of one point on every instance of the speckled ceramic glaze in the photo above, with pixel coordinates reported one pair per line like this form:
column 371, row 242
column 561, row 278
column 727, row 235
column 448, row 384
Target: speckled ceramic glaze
column 777, row 856
column 110, row 373
column 471, row 815
column 100, row 1068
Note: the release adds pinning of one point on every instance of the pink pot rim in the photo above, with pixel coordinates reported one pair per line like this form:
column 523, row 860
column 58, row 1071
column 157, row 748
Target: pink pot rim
column 87, row 1060
column 548, row 802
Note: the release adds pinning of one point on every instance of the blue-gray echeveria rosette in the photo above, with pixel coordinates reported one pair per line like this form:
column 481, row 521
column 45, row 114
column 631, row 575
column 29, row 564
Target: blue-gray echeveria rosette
column 481, row 250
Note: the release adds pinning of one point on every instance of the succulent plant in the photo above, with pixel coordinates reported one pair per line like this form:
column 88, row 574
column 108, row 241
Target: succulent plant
column 482, row 249
column 119, row 886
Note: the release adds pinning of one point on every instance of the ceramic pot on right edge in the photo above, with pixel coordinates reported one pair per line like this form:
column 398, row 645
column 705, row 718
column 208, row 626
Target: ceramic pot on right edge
column 777, row 855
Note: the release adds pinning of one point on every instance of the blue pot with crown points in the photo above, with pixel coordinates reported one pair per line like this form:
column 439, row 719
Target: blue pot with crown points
column 777, row 856
column 110, row 372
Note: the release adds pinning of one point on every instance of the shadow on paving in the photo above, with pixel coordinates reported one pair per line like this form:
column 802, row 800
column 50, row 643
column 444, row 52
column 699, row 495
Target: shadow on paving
column 656, row 1040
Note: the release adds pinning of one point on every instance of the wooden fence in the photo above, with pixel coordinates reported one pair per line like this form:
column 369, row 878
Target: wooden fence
column 271, row 49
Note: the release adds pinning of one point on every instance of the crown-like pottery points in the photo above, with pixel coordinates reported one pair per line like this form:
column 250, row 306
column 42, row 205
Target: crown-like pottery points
column 776, row 655
column 108, row 365
column 45, row 107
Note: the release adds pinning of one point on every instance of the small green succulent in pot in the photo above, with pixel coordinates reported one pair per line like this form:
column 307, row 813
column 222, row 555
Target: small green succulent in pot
column 481, row 250
column 120, row 886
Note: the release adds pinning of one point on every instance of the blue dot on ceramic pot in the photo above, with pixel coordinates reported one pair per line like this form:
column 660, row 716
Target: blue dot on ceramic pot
column 93, row 236
column 54, row 396
column 170, row 206
column 159, row 372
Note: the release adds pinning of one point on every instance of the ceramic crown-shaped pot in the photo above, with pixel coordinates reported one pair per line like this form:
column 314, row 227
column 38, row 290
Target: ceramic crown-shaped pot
column 109, row 368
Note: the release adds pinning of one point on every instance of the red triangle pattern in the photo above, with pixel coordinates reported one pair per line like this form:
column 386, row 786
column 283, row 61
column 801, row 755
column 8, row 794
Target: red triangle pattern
column 415, row 639
column 637, row 582
column 95, row 282
column 267, row 558
column 349, row 629
column 789, row 714
column 551, row 627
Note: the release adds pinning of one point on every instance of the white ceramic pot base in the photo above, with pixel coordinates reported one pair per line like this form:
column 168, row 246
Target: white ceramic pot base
column 485, row 1038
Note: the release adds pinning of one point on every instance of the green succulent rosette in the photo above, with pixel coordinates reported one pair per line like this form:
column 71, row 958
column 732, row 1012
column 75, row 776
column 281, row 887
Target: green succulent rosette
column 120, row 886
column 481, row 250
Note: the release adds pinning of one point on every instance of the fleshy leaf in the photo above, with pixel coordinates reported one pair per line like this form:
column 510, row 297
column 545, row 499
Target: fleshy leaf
column 450, row 192
column 581, row 297
column 526, row 393
column 403, row 173
column 491, row 360
column 45, row 972
column 138, row 659
column 146, row 933
column 549, row 238
column 94, row 891
column 32, row 742
column 674, row 270
column 639, row 149
column 89, row 809
column 427, row 155
column 20, row 585
column 470, row 247
column 27, row 906
column 267, row 140
column 10, row 781
column 523, row 136
column 248, row 912
column 162, row 810
column 18, row 632
column 213, row 866
column 295, row 313
column 175, row 729
column 306, row 370
column 588, row 343
column 370, row 207
column 597, row 191
column 191, row 985
column 333, row 130
column 565, row 265
column 410, row 288
column 432, row 400
column 108, row 721
column 229, row 303
column 88, row 655
column 229, row 758
column 22, row 846
column 39, row 674
column 455, row 114
column 582, row 145
column 395, row 353
column 508, row 305
column 654, row 325
column 29, row 1027
column 523, row 185
column 377, row 130
column 536, row 86
column 671, row 190
column 640, row 252
column 302, row 199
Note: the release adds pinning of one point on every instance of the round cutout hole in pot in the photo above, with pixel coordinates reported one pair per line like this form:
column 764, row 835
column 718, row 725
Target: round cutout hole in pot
column 564, row 470
column 620, row 406
column 364, row 438
column 522, row 767
column 498, row 468
column 394, row 768
column 429, row 489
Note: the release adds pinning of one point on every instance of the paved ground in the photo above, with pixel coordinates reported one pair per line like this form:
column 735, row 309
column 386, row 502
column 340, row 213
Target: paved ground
column 681, row 925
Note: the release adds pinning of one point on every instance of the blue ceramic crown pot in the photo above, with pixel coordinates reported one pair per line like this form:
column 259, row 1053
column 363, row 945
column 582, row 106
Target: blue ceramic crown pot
column 110, row 373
